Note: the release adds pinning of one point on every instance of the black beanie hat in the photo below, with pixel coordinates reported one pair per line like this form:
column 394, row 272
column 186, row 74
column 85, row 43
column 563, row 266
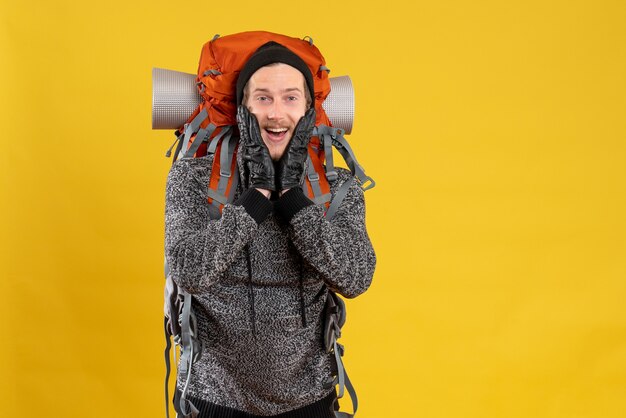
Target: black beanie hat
column 270, row 53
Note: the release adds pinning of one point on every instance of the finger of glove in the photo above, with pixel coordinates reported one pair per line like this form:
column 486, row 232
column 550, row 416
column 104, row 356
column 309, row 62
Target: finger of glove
column 296, row 149
column 242, row 122
column 248, row 126
column 262, row 173
column 291, row 166
column 292, row 163
column 253, row 153
column 305, row 125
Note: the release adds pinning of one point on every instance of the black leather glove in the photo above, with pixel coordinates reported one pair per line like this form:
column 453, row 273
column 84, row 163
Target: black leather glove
column 291, row 165
column 255, row 154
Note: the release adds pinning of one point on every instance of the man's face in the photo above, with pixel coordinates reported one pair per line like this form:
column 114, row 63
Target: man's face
column 275, row 95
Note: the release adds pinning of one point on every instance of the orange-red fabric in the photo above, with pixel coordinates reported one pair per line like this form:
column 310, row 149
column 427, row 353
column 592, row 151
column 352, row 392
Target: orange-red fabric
column 227, row 55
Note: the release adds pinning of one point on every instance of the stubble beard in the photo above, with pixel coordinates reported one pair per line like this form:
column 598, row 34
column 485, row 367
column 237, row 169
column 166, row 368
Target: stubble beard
column 276, row 150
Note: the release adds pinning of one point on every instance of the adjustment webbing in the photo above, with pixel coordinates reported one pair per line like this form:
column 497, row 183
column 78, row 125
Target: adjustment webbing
column 214, row 212
column 314, row 179
column 213, row 145
column 339, row 196
column 226, row 158
column 233, row 186
column 331, row 174
column 329, row 137
column 218, row 198
column 226, row 155
column 168, row 346
column 168, row 154
column 202, row 135
column 348, row 155
column 193, row 127
column 344, row 381
column 326, row 134
column 187, row 356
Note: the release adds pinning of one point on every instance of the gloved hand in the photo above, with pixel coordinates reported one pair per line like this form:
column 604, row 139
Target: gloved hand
column 291, row 165
column 255, row 154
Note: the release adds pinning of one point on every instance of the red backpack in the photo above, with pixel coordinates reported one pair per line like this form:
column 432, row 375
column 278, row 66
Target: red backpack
column 211, row 128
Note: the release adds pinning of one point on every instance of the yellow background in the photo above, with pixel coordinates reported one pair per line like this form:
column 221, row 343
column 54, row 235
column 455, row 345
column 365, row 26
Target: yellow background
column 495, row 131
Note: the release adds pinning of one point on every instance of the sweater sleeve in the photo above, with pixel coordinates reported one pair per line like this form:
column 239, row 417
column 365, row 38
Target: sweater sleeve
column 340, row 249
column 199, row 250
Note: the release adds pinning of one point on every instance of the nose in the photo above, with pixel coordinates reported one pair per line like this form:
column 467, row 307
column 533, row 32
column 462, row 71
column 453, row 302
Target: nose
column 276, row 111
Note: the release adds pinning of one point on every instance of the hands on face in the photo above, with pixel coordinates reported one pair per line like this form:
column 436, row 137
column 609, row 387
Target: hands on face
column 261, row 170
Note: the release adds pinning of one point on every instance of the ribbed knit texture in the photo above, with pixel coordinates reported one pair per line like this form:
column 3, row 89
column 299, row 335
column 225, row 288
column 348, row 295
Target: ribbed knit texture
column 255, row 203
column 321, row 409
column 283, row 366
column 291, row 203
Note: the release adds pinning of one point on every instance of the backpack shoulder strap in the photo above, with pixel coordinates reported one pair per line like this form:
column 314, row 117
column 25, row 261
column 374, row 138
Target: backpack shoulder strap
column 340, row 195
column 316, row 184
column 334, row 137
column 335, row 311
column 224, row 173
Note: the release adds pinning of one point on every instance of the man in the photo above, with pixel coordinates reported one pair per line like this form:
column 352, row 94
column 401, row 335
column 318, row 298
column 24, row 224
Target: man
column 259, row 274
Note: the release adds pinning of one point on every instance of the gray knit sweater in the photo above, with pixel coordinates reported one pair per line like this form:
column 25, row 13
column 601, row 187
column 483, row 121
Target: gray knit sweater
column 259, row 355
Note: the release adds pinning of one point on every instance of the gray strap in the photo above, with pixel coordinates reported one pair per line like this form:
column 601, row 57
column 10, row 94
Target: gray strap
column 187, row 346
column 353, row 397
column 202, row 135
column 314, row 179
column 348, row 155
column 340, row 370
column 233, row 186
column 169, row 284
column 326, row 135
column 214, row 209
column 324, row 68
column 168, row 346
column 320, row 200
column 192, row 128
column 352, row 392
column 325, row 130
column 213, row 145
column 226, row 158
column 217, row 197
column 344, row 381
column 192, row 412
column 211, row 72
column 168, row 154
column 331, row 174
column 311, row 173
column 214, row 212
column 339, row 196
column 187, row 355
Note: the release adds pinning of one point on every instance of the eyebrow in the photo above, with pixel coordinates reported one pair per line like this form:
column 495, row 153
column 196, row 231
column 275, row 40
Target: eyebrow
column 287, row 90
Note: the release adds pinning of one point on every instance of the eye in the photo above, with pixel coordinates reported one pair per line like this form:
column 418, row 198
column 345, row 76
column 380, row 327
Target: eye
column 292, row 99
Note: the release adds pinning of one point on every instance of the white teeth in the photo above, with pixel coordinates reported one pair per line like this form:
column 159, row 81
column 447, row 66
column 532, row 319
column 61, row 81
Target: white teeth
column 277, row 130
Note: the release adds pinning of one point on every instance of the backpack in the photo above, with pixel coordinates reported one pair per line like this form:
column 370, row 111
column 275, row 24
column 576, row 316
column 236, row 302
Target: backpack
column 212, row 129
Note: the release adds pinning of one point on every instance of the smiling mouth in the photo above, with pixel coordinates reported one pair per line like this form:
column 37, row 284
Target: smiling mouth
column 276, row 134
